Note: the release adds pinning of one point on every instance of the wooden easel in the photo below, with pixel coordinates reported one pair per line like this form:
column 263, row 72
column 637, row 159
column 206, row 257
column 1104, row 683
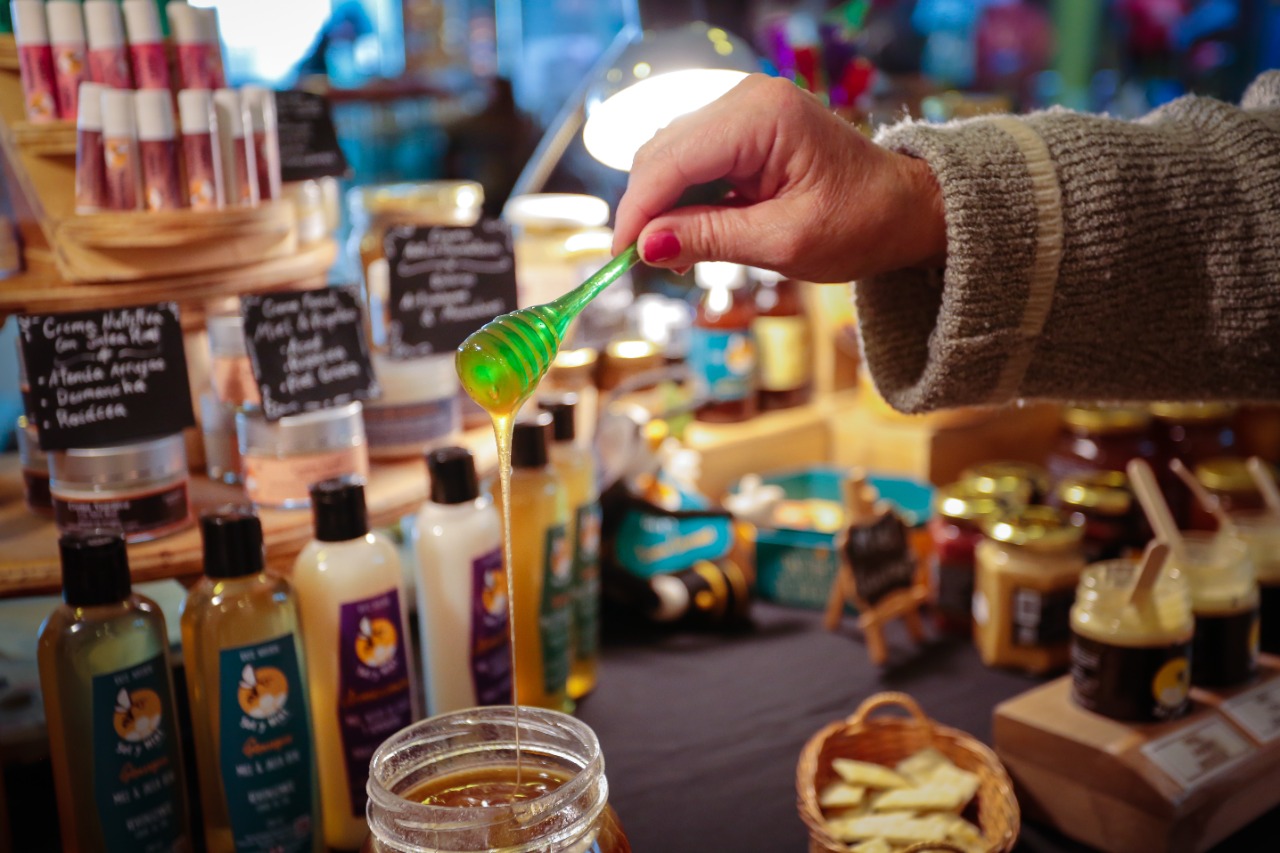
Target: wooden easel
column 900, row 603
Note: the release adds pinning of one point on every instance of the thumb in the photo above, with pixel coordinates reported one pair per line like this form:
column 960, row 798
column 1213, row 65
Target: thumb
column 743, row 235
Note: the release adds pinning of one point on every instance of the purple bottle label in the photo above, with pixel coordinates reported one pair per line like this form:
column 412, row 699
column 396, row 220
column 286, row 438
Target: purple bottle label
column 373, row 683
column 490, row 630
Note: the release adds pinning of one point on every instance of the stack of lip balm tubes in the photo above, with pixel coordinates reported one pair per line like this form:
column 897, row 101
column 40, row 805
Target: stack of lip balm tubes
column 106, row 65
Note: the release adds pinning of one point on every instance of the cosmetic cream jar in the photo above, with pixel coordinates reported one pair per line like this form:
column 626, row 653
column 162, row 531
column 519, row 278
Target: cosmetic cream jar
column 419, row 408
column 280, row 460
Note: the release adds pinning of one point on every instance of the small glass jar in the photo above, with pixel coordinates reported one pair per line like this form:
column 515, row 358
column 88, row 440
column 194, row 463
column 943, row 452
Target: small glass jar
column 419, row 408
column 445, row 784
column 1100, row 439
column 218, row 430
column 559, row 240
column 35, row 468
column 1014, row 483
column 1224, row 598
column 1192, row 432
column 1260, row 532
column 318, row 204
column 281, row 459
column 230, row 370
column 1028, row 565
column 1131, row 663
column 955, row 530
column 373, row 209
column 1229, row 482
column 1102, row 504
column 140, row 488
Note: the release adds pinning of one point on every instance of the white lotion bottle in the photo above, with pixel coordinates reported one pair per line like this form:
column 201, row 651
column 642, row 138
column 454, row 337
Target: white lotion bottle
column 352, row 605
column 462, row 589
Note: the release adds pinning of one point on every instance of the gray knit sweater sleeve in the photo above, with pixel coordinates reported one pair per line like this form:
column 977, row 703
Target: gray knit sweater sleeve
column 1091, row 259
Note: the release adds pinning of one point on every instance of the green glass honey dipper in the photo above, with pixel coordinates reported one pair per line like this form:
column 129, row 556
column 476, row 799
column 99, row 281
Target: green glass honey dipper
column 501, row 363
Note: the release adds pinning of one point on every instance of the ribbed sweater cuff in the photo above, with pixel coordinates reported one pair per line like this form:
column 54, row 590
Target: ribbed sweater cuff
column 964, row 335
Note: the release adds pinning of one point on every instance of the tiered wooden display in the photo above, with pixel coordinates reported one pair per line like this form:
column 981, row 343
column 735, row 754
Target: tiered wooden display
column 1181, row 786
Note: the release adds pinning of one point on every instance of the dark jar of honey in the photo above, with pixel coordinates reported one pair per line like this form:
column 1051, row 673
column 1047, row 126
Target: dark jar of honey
column 1228, row 482
column 1103, row 506
column 450, row 783
column 1101, row 439
column 1011, row 482
column 955, row 531
column 1192, row 432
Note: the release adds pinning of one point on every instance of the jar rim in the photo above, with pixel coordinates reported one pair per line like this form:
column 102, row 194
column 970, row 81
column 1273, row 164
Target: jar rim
column 579, row 749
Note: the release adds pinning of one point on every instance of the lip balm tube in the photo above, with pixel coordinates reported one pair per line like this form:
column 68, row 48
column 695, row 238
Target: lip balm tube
column 35, row 61
column 120, row 149
column 158, row 149
column 200, row 149
column 108, row 61
column 239, row 172
column 260, row 118
column 91, row 182
column 209, row 31
column 146, row 44
column 66, row 34
column 195, row 60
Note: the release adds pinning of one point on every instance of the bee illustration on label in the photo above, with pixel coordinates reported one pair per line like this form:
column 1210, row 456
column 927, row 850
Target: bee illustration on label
column 118, row 152
column 376, row 642
column 40, row 106
column 263, row 691
column 201, row 192
column 589, row 534
column 69, row 61
column 740, row 355
column 561, row 560
column 494, row 594
column 137, row 714
column 1172, row 684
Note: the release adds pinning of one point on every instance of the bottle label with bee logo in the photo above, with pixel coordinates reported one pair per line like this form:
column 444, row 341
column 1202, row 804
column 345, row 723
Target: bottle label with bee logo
column 490, row 630
column 136, row 767
column 554, row 614
column 374, row 701
column 265, row 746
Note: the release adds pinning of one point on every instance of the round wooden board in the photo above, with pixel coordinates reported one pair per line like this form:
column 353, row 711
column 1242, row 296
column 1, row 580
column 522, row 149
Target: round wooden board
column 29, row 553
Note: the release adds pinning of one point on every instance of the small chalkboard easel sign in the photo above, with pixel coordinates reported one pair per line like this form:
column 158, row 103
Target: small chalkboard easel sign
column 877, row 573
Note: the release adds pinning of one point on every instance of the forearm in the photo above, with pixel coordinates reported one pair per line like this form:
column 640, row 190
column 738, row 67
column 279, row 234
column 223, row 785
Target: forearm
column 1090, row 258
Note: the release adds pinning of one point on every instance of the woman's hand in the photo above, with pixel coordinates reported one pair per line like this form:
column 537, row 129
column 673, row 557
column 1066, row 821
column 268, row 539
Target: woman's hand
column 815, row 199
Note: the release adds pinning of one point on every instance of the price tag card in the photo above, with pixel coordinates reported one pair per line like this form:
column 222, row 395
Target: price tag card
column 446, row 282
column 109, row 376
column 880, row 557
column 308, row 349
column 308, row 141
column 1257, row 711
column 1199, row 751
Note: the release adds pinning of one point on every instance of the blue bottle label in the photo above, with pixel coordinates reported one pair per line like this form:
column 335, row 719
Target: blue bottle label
column 135, row 759
column 490, row 630
column 722, row 363
column 554, row 617
column 265, row 747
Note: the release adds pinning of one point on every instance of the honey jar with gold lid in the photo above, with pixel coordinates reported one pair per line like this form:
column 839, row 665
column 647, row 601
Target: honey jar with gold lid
column 1103, row 505
column 955, row 531
column 1016, row 483
column 1192, row 432
column 1028, row 564
column 1229, row 482
column 1097, row 438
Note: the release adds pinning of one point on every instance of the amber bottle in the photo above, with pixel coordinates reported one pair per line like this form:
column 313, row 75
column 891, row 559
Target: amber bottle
column 722, row 353
column 783, row 341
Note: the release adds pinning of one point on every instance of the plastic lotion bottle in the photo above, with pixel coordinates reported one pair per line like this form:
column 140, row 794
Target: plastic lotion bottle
column 247, row 682
column 542, row 567
column 108, row 698
column 576, row 468
column 351, row 598
column 462, row 589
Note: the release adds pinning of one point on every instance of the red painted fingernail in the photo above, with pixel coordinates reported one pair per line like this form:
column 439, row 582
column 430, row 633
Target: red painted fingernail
column 660, row 246
column 683, row 270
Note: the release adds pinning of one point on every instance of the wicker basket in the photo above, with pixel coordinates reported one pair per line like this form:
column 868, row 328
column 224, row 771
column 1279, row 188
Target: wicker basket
column 889, row 740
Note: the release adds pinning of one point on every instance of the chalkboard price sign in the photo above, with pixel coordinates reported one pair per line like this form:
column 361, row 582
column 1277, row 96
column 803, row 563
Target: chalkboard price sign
column 308, row 140
column 104, row 377
column 308, row 349
column 880, row 557
column 446, row 282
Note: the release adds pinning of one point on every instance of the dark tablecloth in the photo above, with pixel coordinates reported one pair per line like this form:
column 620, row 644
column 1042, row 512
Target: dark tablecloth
column 701, row 732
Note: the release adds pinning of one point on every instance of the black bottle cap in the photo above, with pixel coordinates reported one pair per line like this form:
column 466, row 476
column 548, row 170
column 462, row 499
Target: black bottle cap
column 529, row 440
column 339, row 510
column 562, row 410
column 232, row 542
column 453, row 475
column 95, row 568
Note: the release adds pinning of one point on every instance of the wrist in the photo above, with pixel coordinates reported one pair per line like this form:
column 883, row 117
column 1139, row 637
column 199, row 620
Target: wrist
column 923, row 215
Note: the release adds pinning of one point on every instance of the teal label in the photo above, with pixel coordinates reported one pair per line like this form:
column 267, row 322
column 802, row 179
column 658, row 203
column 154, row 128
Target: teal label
column 265, row 746
column 586, row 582
column 723, row 363
column 554, row 617
column 136, row 777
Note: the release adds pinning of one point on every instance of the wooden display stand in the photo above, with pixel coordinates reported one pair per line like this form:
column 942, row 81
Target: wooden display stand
column 1181, row 786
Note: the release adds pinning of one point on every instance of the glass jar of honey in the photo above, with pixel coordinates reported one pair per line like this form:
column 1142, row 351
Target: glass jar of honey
column 559, row 239
column 1102, row 504
column 1192, row 432
column 374, row 208
column 955, row 531
column 1224, row 599
column 1228, row 482
column 1260, row 532
column 1027, row 569
column 1011, row 482
column 1100, row 439
column 450, row 783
